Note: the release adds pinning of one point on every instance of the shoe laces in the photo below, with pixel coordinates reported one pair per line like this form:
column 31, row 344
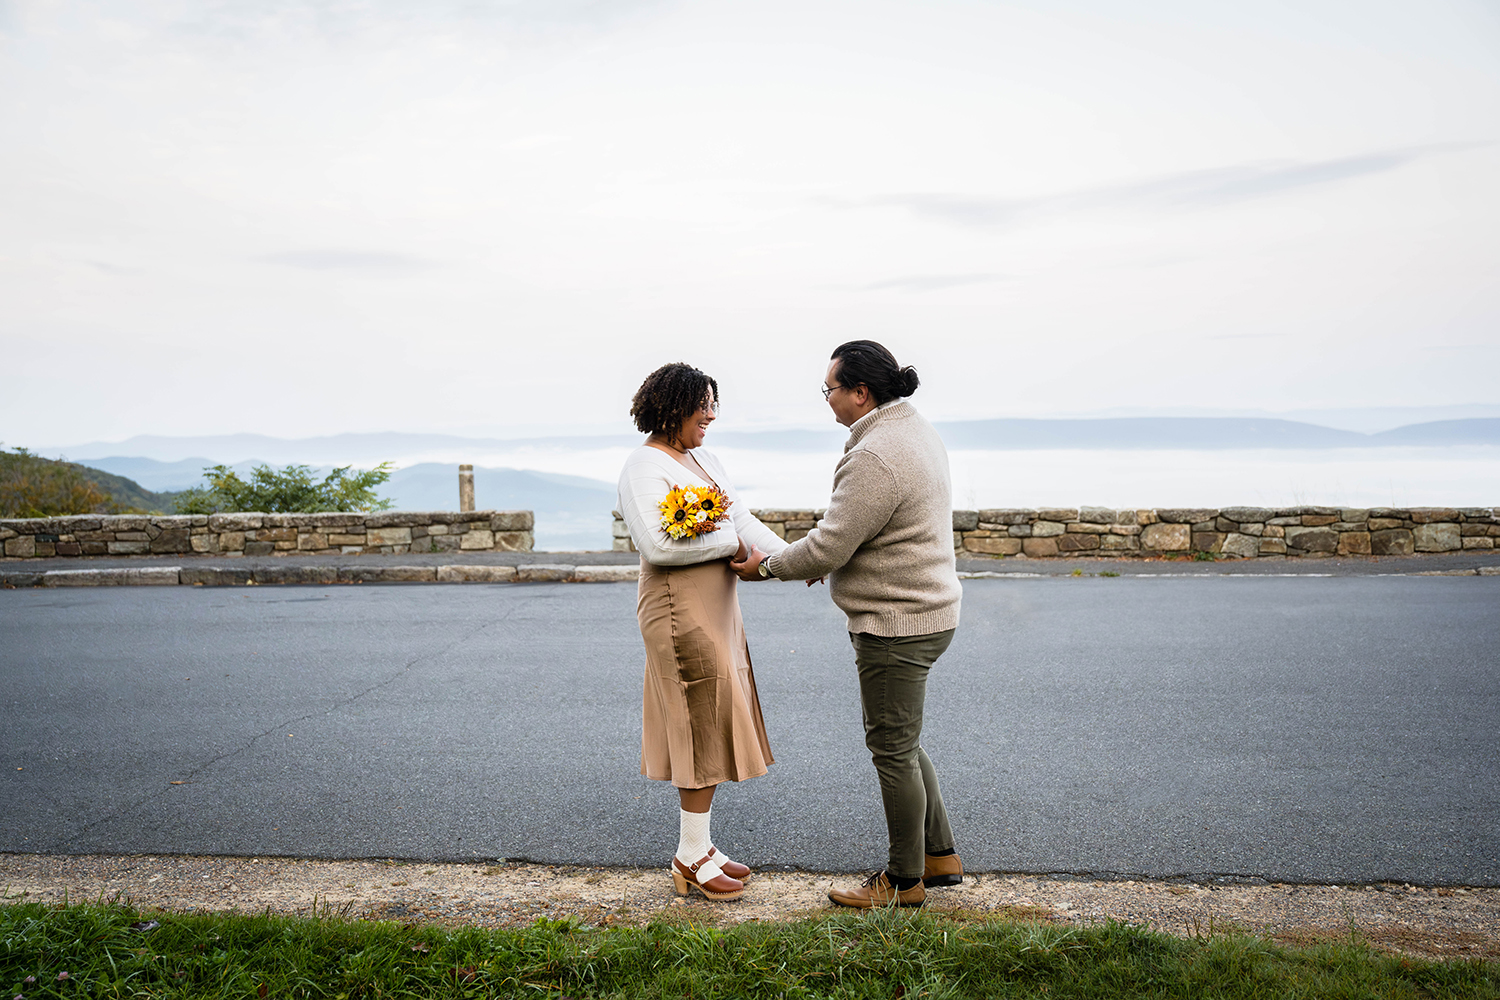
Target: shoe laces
column 873, row 880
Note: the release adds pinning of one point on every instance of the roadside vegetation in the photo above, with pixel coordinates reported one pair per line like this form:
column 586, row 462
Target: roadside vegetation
column 33, row 486
column 292, row 490
column 110, row 950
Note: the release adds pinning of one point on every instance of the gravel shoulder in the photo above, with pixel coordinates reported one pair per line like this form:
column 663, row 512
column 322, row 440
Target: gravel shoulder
column 1446, row 923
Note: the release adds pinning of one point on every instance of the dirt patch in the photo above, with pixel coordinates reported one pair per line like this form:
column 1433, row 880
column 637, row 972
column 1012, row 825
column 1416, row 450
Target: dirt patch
column 1434, row 922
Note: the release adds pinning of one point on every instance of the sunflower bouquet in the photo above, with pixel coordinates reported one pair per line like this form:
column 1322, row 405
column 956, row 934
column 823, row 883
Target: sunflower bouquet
column 693, row 510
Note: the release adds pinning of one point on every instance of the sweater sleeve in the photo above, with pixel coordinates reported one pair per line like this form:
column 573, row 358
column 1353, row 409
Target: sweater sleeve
column 643, row 484
column 746, row 525
column 864, row 497
column 750, row 528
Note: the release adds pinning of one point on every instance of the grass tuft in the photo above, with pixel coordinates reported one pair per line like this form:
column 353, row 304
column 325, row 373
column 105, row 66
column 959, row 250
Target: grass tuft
column 111, row 950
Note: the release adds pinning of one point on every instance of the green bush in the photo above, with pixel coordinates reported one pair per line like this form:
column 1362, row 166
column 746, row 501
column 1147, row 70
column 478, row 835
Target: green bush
column 292, row 490
column 32, row 486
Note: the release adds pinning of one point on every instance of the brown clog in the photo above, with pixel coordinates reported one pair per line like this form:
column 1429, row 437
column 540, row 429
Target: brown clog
column 718, row 888
column 733, row 869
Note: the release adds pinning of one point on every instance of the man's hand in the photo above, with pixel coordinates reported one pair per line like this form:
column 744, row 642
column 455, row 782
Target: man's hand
column 748, row 568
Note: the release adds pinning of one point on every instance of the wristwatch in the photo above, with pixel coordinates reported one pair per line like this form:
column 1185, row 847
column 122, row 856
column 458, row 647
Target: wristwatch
column 765, row 573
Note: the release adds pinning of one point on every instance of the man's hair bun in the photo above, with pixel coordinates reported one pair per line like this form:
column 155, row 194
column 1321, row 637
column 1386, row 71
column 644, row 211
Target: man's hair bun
column 907, row 377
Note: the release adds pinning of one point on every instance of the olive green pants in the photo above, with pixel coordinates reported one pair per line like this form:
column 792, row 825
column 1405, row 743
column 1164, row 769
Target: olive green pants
column 892, row 687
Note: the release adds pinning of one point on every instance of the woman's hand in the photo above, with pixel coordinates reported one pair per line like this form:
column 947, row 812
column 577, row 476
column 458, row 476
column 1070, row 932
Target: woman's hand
column 742, row 554
column 748, row 567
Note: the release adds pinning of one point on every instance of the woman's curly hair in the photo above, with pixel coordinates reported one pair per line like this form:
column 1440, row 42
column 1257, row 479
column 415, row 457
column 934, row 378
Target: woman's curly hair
column 669, row 396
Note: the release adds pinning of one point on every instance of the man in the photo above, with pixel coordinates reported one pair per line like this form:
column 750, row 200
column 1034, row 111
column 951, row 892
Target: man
column 886, row 541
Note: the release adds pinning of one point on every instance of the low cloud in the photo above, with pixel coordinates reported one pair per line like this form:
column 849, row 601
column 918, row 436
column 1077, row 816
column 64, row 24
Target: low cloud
column 1190, row 190
column 114, row 270
column 345, row 20
column 534, row 141
column 346, row 260
column 932, row 282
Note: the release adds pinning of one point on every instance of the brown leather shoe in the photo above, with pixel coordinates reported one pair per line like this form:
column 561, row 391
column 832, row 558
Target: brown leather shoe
column 733, row 869
column 946, row 870
column 720, row 887
column 877, row 890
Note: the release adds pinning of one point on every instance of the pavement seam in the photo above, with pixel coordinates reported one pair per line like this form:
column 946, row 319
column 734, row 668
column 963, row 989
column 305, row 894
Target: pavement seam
column 396, row 675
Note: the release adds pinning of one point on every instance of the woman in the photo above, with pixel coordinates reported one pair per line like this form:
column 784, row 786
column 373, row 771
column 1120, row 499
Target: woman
column 701, row 721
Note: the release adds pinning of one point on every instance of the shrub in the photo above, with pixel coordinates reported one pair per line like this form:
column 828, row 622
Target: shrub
column 290, row 491
column 32, row 486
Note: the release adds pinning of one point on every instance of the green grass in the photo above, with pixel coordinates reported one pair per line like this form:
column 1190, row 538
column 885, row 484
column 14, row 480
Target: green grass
column 106, row 951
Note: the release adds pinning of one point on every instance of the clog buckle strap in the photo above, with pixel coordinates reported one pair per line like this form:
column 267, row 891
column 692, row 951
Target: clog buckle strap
column 708, row 864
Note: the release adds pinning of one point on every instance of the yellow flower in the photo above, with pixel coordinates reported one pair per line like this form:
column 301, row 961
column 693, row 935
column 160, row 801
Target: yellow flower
column 693, row 510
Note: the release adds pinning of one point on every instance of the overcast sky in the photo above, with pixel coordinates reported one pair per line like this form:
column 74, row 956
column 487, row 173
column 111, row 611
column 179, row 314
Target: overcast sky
column 305, row 217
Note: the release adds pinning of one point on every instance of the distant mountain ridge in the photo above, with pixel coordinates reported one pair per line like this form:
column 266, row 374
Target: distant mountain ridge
column 1212, row 433
column 1480, row 430
column 1126, row 433
column 131, row 495
column 572, row 513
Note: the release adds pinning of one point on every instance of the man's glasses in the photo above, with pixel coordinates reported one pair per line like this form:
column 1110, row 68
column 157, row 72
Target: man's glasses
column 828, row 391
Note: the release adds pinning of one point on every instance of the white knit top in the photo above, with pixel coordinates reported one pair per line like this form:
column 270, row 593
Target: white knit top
column 648, row 475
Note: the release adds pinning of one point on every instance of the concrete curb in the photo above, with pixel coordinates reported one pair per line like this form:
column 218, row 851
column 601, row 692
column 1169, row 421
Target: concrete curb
column 233, row 576
column 987, row 575
column 146, row 576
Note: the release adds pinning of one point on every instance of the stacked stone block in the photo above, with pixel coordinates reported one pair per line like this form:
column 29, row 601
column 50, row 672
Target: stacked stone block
column 269, row 534
column 1230, row 532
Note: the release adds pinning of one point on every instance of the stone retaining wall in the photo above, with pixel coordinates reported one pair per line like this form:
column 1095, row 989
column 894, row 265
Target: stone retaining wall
column 269, row 534
column 1229, row 532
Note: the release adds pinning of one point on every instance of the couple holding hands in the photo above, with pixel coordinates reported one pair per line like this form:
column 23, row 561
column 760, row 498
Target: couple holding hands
column 886, row 546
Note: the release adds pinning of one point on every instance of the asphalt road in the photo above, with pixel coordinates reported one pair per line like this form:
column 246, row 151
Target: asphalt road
column 1291, row 729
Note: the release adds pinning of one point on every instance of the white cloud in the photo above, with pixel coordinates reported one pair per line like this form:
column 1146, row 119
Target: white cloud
column 505, row 214
column 354, row 260
column 934, row 282
column 1196, row 189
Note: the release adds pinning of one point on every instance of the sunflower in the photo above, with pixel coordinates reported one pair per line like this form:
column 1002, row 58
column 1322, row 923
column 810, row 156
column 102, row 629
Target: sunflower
column 692, row 510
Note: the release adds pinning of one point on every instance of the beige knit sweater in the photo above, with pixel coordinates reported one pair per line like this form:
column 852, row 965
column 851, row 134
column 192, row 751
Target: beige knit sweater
column 886, row 541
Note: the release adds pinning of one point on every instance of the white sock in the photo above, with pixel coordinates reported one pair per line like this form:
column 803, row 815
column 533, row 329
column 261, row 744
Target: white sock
column 693, row 840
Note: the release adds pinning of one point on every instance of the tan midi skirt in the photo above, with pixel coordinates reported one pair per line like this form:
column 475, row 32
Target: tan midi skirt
column 700, row 721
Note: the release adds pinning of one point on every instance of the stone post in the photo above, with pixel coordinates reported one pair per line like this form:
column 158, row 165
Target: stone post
column 465, row 488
